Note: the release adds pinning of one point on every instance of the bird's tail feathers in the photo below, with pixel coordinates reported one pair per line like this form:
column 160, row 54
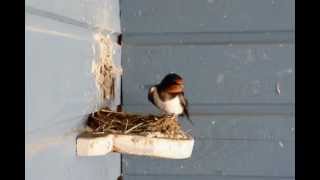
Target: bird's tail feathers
column 186, row 113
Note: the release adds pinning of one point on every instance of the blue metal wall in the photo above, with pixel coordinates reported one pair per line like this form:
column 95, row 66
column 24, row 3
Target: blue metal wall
column 237, row 58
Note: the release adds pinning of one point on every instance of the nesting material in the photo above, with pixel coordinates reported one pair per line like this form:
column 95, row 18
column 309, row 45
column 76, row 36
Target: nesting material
column 107, row 121
column 149, row 135
column 103, row 68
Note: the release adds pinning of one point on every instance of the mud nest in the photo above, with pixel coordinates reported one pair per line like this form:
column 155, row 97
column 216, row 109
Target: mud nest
column 108, row 121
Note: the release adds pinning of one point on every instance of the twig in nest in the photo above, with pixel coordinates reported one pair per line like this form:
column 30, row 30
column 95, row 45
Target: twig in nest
column 126, row 125
column 109, row 121
column 106, row 110
column 127, row 131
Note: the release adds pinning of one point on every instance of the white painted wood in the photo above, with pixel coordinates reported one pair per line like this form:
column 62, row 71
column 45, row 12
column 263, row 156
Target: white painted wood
column 135, row 145
column 157, row 147
column 94, row 146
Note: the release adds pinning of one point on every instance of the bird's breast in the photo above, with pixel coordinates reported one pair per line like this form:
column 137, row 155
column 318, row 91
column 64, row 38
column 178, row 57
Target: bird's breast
column 171, row 106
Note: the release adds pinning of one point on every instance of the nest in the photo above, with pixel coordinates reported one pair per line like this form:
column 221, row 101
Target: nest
column 108, row 121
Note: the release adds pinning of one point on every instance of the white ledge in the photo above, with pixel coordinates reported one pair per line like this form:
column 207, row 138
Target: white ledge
column 98, row 145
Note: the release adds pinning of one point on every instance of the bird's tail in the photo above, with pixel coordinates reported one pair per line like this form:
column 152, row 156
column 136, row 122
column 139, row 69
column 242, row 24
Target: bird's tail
column 186, row 112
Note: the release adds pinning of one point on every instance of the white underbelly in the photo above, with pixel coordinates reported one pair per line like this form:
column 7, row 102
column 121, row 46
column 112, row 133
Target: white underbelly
column 172, row 106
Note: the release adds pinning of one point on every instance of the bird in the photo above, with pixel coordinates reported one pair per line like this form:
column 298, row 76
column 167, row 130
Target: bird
column 169, row 96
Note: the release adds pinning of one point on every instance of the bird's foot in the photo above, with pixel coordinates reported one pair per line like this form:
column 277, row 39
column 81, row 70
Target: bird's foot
column 167, row 115
column 171, row 116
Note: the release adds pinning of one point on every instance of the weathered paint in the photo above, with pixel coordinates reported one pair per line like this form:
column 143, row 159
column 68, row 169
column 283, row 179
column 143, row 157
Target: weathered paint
column 60, row 88
column 153, row 16
column 237, row 58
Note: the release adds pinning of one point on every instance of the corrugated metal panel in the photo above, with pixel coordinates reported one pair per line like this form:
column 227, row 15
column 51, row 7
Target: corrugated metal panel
column 155, row 16
column 202, row 177
column 215, row 73
column 241, row 127
column 208, row 38
column 222, row 157
column 233, row 55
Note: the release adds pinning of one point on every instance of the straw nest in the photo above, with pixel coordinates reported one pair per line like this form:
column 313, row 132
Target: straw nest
column 107, row 121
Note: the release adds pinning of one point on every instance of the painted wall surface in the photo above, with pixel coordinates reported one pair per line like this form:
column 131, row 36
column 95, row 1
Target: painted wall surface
column 237, row 58
column 60, row 89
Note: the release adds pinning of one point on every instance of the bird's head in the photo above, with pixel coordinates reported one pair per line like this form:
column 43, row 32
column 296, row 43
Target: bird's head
column 172, row 78
column 172, row 83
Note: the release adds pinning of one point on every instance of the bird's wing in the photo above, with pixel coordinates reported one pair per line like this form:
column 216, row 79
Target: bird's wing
column 150, row 98
column 184, row 102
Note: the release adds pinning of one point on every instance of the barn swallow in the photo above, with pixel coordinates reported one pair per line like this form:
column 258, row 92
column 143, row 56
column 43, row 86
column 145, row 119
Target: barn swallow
column 169, row 96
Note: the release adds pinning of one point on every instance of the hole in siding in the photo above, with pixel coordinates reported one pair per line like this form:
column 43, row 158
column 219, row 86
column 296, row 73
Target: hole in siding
column 119, row 39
